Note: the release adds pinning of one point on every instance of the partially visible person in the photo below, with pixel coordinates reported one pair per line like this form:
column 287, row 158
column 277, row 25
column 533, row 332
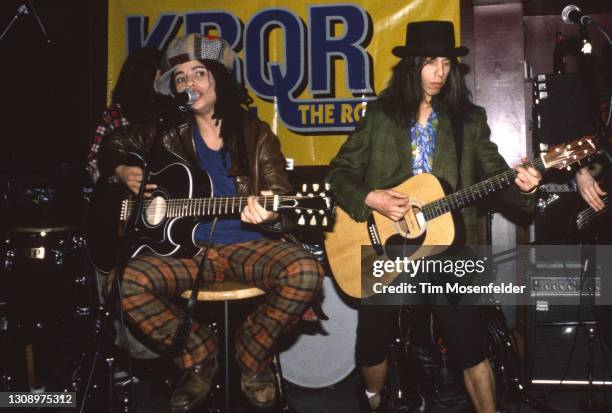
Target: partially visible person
column 408, row 131
column 242, row 157
column 134, row 100
column 589, row 188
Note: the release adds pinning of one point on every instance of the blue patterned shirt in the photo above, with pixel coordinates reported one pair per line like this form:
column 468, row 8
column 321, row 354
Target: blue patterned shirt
column 423, row 142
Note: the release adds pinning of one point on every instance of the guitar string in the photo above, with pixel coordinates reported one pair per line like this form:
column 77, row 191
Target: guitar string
column 462, row 197
column 430, row 210
column 441, row 206
column 589, row 213
column 215, row 204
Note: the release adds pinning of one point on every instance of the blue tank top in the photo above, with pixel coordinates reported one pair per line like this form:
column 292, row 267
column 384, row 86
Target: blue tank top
column 229, row 229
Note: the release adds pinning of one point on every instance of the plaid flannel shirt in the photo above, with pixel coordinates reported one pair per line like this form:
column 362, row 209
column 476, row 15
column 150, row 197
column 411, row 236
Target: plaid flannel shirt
column 112, row 119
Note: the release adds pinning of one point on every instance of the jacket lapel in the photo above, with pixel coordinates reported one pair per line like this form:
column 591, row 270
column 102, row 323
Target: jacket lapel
column 445, row 154
column 403, row 142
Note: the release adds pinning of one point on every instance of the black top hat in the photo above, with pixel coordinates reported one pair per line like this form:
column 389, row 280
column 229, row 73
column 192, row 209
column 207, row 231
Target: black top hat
column 430, row 38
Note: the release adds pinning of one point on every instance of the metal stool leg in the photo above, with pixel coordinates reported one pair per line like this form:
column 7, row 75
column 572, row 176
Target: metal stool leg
column 281, row 388
column 227, row 356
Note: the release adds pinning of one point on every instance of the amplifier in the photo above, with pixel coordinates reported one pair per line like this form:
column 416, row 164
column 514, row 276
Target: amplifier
column 549, row 287
column 560, row 283
column 562, row 325
column 560, row 110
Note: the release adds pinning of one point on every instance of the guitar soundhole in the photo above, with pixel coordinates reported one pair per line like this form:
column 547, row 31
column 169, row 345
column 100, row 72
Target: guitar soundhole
column 155, row 211
column 409, row 227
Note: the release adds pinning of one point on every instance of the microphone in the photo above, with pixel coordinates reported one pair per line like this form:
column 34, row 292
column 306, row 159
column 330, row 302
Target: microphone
column 572, row 14
column 186, row 98
column 31, row 8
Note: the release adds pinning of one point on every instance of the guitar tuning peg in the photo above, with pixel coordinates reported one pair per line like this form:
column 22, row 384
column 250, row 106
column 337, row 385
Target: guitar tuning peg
column 309, row 211
column 313, row 221
column 327, row 186
column 298, row 211
column 324, row 221
column 304, row 187
column 301, row 221
column 315, row 187
column 321, row 212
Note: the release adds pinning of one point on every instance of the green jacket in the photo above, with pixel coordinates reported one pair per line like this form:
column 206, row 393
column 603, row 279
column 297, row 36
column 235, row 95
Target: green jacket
column 377, row 155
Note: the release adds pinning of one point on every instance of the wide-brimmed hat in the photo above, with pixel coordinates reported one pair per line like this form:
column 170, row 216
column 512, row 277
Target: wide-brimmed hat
column 430, row 38
column 192, row 47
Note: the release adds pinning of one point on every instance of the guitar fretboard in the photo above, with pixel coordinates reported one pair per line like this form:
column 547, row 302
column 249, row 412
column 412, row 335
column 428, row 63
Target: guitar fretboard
column 184, row 207
column 469, row 195
column 212, row 206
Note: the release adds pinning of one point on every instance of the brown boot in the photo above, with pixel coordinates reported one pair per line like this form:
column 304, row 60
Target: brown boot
column 259, row 388
column 194, row 386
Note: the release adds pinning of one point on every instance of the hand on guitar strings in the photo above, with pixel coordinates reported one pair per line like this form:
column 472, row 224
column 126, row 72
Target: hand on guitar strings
column 589, row 189
column 527, row 179
column 390, row 203
column 254, row 213
column 131, row 176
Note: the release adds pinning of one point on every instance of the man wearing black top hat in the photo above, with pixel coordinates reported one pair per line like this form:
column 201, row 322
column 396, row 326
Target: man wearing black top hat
column 408, row 131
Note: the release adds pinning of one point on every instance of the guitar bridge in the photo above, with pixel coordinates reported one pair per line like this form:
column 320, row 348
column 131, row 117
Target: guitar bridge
column 374, row 237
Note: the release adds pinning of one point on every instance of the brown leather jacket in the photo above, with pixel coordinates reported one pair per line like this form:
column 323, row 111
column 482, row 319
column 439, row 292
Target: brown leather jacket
column 266, row 161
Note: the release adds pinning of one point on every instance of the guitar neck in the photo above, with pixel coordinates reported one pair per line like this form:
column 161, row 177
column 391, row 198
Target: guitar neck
column 215, row 206
column 178, row 207
column 473, row 193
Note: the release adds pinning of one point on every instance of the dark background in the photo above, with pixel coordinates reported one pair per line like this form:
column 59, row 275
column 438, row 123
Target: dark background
column 54, row 93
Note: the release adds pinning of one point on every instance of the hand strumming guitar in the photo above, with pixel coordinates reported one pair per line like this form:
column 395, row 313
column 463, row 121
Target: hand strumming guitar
column 589, row 189
column 390, row 203
column 131, row 176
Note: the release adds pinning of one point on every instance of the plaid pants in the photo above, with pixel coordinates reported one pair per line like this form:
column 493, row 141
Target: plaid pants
column 291, row 276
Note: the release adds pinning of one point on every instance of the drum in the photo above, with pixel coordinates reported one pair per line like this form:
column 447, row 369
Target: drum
column 326, row 356
column 46, row 277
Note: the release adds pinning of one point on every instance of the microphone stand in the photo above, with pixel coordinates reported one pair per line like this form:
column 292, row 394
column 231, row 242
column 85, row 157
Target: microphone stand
column 588, row 279
column 21, row 11
column 113, row 306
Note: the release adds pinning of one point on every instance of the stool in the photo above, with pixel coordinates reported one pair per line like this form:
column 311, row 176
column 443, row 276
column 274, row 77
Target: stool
column 226, row 291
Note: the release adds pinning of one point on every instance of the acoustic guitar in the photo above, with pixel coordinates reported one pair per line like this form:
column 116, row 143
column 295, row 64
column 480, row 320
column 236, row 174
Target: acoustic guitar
column 183, row 198
column 428, row 227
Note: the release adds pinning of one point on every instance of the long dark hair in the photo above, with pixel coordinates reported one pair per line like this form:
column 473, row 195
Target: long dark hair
column 402, row 96
column 134, row 90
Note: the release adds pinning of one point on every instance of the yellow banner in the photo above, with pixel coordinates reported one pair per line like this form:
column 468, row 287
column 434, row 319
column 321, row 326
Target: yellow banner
column 310, row 66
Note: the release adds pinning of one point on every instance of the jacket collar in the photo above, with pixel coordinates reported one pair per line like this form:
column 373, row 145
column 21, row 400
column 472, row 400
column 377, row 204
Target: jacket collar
column 185, row 132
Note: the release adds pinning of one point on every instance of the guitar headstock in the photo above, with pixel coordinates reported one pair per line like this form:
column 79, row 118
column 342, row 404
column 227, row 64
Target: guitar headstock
column 313, row 204
column 563, row 156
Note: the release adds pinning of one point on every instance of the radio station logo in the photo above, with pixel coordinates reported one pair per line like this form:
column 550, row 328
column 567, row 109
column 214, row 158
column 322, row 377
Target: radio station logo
column 303, row 85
